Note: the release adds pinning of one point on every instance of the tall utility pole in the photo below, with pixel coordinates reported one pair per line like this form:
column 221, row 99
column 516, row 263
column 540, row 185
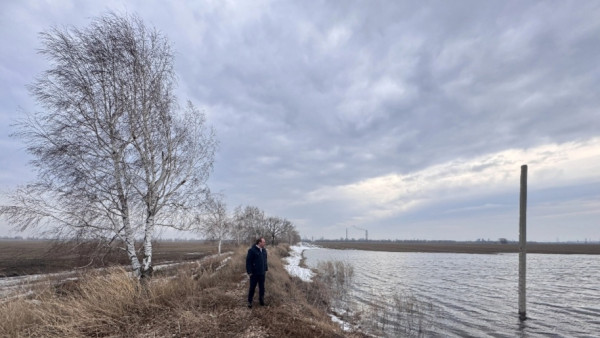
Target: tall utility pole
column 523, row 243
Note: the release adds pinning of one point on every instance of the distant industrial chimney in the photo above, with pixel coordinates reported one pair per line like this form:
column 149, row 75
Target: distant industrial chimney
column 365, row 230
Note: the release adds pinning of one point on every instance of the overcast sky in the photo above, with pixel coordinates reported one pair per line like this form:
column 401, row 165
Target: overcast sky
column 408, row 119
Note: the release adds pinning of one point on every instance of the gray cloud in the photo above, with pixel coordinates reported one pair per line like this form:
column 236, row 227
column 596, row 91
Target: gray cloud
column 306, row 95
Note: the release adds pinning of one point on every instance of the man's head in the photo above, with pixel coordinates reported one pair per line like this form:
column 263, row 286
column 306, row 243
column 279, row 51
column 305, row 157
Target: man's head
column 261, row 242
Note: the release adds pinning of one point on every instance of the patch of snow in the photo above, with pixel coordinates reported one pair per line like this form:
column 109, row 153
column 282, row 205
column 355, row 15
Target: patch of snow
column 223, row 263
column 20, row 284
column 170, row 264
column 293, row 262
column 344, row 325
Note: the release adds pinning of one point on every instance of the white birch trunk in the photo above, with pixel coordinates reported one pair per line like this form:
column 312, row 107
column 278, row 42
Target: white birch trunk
column 135, row 263
column 130, row 246
column 148, row 234
column 129, row 237
column 219, row 247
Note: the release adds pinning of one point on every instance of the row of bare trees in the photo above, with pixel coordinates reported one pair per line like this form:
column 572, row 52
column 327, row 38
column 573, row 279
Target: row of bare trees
column 244, row 225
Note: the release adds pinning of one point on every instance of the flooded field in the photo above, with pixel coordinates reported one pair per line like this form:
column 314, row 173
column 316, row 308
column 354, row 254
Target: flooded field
column 476, row 294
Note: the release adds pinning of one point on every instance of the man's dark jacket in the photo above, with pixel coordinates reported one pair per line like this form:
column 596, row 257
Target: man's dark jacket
column 256, row 262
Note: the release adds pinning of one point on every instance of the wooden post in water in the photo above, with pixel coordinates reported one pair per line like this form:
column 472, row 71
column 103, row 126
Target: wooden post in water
column 523, row 243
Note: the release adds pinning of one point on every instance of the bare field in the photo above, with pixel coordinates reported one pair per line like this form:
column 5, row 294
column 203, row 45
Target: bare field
column 465, row 247
column 26, row 257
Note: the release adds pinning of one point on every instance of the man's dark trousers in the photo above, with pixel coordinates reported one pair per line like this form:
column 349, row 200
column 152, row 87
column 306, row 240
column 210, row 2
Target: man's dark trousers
column 260, row 280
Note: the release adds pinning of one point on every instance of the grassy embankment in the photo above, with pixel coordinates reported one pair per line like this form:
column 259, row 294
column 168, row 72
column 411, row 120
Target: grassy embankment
column 193, row 300
column 465, row 247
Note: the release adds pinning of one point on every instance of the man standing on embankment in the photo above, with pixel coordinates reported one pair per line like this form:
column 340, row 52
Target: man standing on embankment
column 256, row 267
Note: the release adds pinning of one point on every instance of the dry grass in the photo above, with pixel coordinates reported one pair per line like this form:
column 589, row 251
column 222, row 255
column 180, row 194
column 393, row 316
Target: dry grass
column 206, row 299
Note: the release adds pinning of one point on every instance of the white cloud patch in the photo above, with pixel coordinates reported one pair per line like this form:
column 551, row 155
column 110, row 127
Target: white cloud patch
column 551, row 165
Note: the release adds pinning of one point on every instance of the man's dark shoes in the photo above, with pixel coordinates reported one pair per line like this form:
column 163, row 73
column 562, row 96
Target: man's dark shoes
column 249, row 305
column 262, row 303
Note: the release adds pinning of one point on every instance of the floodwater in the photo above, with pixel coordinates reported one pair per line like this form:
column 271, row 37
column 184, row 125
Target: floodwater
column 474, row 295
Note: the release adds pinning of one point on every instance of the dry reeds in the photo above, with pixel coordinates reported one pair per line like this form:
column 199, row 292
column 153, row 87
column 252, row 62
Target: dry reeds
column 337, row 277
column 395, row 315
column 398, row 315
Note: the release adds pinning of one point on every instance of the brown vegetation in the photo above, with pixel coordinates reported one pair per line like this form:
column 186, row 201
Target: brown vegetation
column 28, row 257
column 194, row 300
column 464, row 247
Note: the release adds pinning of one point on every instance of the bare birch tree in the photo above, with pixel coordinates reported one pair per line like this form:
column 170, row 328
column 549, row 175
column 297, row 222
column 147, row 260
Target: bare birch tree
column 238, row 229
column 216, row 224
column 115, row 155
